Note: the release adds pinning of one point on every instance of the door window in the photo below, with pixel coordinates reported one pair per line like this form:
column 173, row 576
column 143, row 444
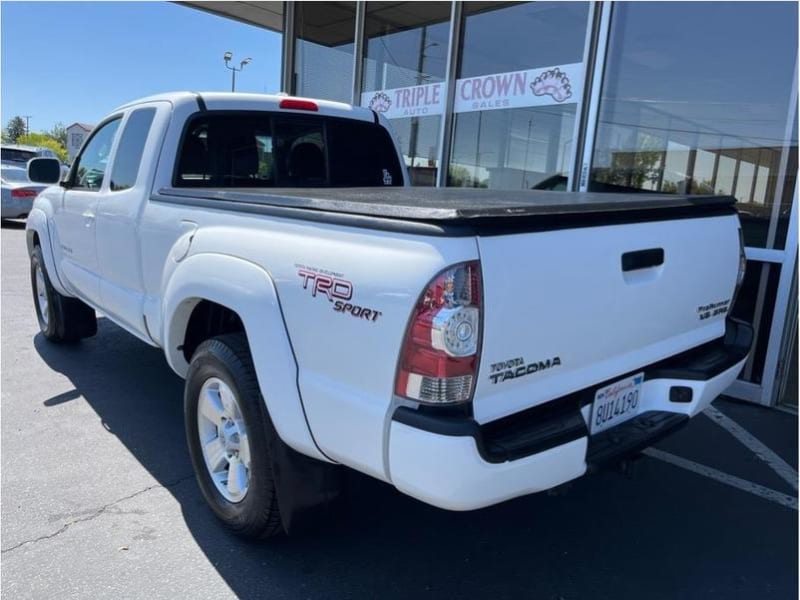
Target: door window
column 131, row 148
column 90, row 167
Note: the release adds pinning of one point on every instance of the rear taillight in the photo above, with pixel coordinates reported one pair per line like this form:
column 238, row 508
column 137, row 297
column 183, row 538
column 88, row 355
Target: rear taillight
column 439, row 358
column 299, row 104
column 23, row 193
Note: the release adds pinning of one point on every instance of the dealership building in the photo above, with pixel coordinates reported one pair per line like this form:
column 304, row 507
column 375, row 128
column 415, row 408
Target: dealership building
column 684, row 97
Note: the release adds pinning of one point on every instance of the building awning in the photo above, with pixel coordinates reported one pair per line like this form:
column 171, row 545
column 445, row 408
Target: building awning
column 268, row 15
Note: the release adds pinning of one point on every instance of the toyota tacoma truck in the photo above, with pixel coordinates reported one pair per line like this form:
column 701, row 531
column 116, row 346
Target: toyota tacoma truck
column 465, row 346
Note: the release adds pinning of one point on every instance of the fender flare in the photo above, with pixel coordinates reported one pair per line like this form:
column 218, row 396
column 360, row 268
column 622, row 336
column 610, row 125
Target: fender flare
column 248, row 290
column 37, row 223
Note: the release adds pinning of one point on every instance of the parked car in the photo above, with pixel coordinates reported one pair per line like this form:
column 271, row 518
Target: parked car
column 18, row 155
column 466, row 346
column 18, row 192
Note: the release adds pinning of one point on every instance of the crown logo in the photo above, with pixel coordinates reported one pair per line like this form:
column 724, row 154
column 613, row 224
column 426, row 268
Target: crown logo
column 553, row 83
column 380, row 102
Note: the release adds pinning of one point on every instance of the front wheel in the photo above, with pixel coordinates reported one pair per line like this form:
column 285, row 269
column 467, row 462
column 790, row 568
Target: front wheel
column 61, row 319
column 227, row 432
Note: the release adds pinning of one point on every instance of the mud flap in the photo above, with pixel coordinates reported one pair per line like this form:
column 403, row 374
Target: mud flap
column 306, row 487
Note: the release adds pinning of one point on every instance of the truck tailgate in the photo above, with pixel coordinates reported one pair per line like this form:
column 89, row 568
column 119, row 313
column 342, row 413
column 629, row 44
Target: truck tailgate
column 566, row 309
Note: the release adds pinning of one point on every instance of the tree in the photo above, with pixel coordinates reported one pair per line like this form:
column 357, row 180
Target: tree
column 15, row 129
column 59, row 133
column 43, row 140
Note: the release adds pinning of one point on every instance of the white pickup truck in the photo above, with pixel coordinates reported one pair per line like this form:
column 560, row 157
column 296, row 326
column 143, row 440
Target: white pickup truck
column 466, row 346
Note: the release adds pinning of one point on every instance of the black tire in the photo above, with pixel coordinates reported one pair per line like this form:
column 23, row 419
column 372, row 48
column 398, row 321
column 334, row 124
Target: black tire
column 227, row 358
column 66, row 319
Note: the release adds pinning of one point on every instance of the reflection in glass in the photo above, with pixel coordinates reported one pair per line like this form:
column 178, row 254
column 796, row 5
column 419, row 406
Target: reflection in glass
column 324, row 49
column 695, row 100
column 406, row 48
column 527, row 146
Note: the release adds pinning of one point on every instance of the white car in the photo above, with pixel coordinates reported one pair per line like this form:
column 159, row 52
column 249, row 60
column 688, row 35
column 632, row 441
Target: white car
column 18, row 192
column 465, row 346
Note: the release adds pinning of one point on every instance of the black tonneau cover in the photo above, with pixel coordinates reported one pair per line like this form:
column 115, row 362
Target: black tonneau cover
column 450, row 212
column 449, row 204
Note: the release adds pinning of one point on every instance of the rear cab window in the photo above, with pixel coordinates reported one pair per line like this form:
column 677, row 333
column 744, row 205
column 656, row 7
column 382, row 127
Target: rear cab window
column 267, row 149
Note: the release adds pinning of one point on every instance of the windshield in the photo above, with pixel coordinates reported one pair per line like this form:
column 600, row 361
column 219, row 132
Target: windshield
column 264, row 149
column 16, row 155
column 14, row 175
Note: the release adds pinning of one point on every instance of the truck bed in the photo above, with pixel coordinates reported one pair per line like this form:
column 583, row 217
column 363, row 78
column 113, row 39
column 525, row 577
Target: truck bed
column 450, row 211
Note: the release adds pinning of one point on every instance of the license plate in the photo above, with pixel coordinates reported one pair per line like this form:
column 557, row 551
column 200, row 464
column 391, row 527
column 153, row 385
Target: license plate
column 616, row 403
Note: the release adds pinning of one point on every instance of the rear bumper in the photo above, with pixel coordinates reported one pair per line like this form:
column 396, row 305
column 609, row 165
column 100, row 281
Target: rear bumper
column 458, row 464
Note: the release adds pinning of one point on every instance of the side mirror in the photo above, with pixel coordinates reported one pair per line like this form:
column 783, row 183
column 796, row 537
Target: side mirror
column 44, row 170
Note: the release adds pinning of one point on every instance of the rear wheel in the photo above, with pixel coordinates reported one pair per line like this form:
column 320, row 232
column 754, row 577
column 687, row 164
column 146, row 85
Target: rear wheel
column 61, row 319
column 228, row 433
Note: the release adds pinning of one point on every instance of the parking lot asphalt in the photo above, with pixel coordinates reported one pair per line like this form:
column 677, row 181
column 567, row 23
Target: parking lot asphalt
column 99, row 500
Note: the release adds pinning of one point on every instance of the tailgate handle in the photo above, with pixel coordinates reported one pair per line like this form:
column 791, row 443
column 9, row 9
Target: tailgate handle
column 642, row 259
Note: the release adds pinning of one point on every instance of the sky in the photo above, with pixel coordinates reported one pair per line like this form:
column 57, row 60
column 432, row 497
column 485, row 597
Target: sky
column 77, row 61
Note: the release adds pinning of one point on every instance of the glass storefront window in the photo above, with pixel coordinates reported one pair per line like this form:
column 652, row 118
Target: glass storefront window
column 325, row 33
column 519, row 86
column 405, row 62
column 695, row 100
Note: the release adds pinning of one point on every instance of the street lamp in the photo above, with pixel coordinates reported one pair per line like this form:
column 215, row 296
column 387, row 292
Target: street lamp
column 227, row 57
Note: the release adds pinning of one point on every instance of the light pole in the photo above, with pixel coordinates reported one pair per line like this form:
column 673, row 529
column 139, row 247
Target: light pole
column 228, row 56
column 27, row 124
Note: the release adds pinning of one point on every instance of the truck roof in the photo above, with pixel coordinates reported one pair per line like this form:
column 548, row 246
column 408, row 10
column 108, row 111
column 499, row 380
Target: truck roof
column 238, row 101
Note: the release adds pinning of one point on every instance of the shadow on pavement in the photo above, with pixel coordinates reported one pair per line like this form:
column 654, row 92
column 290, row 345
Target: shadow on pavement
column 666, row 534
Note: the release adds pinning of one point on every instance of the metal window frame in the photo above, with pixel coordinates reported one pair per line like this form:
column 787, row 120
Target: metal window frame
column 590, row 48
column 446, row 122
column 358, row 52
column 598, row 70
column 289, row 43
column 780, row 327
column 786, row 258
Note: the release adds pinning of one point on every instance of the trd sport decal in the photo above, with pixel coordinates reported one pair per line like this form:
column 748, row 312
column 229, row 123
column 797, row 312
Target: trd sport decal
column 516, row 367
column 338, row 291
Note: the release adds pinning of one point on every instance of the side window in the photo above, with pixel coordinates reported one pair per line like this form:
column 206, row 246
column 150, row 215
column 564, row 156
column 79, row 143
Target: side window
column 90, row 167
column 131, row 148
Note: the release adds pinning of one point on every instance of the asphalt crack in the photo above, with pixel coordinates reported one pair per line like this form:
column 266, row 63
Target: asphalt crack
column 96, row 513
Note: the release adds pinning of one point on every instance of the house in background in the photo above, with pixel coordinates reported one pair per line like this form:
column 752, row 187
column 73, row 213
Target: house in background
column 76, row 133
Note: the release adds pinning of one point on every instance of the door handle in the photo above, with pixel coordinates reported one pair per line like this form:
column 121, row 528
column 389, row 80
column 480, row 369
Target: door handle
column 642, row 259
column 88, row 218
